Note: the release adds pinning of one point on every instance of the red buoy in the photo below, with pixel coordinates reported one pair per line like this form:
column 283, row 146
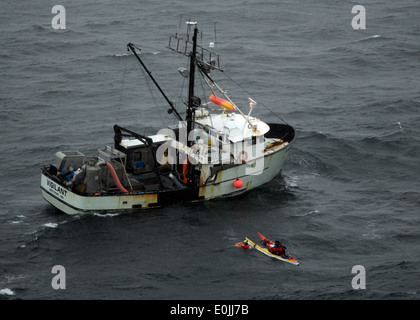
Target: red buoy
column 238, row 183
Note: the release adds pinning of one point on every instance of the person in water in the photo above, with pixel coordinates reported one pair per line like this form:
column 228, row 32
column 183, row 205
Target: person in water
column 278, row 249
column 245, row 244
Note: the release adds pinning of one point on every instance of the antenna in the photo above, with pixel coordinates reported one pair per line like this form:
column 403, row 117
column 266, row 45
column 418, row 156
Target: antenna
column 215, row 39
column 207, row 58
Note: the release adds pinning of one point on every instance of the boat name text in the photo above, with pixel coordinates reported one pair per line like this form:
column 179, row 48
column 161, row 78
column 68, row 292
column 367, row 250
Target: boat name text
column 56, row 189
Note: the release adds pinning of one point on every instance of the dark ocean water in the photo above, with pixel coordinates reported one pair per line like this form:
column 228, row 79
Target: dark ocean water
column 348, row 193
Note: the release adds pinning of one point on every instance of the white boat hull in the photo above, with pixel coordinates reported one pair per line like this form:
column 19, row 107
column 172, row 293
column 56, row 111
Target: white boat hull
column 222, row 186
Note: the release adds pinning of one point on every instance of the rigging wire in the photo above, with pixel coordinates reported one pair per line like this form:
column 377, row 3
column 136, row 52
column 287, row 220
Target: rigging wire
column 151, row 93
column 182, row 88
column 132, row 47
column 122, row 89
column 261, row 103
column 206, row 81
column 202, row 88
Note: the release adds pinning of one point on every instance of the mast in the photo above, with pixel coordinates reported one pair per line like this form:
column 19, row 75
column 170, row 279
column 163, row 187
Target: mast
column 132, row 48
column 205, row 59
column 190, row 109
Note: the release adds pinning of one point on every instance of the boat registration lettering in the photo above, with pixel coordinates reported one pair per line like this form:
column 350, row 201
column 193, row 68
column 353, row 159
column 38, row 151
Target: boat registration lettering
column 55, row 189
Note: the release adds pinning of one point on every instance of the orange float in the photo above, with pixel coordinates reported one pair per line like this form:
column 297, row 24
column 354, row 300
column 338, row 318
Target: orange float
column 222, row 102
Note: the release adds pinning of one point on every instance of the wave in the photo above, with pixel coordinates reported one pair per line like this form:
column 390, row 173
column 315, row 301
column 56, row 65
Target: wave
column 104, row 56
column 105, row 215
column 7, row 292
column 352, row 157
column 409, row 237
column 102, row 25
column 35, row 30
column 376, row 36
column 15, row 222
column 55, row 93
column 122, row 54
column 146, row 51
column 323, row 153
column 50, row 225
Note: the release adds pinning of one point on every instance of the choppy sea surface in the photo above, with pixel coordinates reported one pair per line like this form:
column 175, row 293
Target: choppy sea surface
column 348, row 194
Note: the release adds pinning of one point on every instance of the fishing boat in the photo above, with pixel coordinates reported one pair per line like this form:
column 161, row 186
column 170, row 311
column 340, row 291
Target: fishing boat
column 215, row 151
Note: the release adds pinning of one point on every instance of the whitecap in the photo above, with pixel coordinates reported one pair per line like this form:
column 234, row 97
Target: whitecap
column 14, row 277
column 372, row 231
column 50, row 225
column 376, row 36
column 122, row 54
column 292, row 181
column 105, row 215
column 399, row 125
column 7, row 292
column 308, row 213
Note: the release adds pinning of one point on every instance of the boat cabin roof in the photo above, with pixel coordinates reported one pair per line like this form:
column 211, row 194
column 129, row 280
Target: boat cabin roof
column 235, row 125
column 133, row 143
